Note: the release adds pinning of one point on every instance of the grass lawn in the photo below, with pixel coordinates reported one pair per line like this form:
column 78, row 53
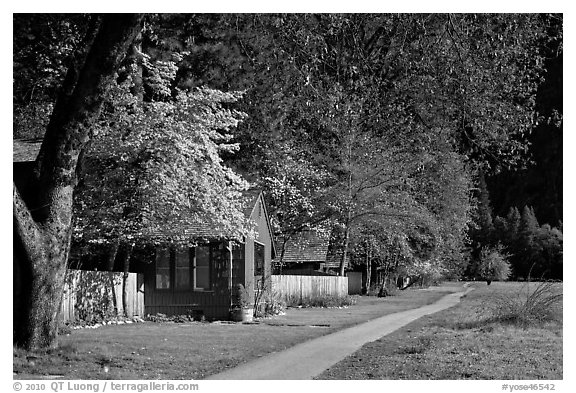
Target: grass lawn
column 463, row 342
column 196, row 350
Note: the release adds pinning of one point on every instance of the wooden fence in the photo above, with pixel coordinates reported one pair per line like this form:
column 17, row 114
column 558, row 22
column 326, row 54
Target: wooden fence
column 90, row 295
column 298, row 288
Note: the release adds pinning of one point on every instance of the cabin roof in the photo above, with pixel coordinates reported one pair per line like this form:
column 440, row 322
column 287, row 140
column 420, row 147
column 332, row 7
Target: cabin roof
column 306, row 246
column 207, row 230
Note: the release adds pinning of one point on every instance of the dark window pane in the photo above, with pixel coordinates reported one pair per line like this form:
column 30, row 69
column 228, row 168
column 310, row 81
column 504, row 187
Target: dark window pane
column 182, row 273
column 259, row 252
column 202, row 268
column 162, row 268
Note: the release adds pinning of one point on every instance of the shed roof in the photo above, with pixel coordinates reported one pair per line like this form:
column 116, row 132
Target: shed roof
column 335, row 256
column 307, row 246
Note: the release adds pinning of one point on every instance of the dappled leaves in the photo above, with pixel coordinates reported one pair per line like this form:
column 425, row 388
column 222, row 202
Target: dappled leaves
column 154, row 169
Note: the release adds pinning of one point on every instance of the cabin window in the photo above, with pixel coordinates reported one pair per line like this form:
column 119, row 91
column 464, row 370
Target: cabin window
column 202, row 268
column 182, row 262
column 163, row 268
column 259, row 258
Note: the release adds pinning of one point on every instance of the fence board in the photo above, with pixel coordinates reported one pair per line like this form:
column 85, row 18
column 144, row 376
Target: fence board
column 89, row 294
column 299, row 288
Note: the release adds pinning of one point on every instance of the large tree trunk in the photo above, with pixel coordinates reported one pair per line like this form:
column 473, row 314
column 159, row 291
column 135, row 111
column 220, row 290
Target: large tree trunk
column 44, row 237
column 44, row 253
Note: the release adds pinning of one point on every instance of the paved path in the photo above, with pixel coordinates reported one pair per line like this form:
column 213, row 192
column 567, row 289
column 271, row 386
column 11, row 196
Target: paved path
column 311, row 358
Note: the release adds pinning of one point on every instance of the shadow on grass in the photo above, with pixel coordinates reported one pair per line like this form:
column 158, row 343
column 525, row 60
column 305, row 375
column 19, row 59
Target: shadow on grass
column 420, row 346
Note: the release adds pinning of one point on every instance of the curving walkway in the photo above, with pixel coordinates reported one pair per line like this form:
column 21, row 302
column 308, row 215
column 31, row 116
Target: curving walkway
column 311, row 358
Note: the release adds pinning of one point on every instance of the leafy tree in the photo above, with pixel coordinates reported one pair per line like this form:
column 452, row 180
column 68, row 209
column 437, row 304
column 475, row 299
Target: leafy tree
column 549, row 250
column 295, row 191
column 43, row 223
column 43, row 46
column 145, row 175
column 155, row 165
column 465, row 76
column 533, row 250
column 539, row 183
column 493, row 264
column 528, row 225
column 513, row 223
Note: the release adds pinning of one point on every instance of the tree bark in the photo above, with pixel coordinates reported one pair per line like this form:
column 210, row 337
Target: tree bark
column 44, row 236
column 125, row 275
column 282, row 252
column 111, row 259
column 368, row 266
column 342, row 268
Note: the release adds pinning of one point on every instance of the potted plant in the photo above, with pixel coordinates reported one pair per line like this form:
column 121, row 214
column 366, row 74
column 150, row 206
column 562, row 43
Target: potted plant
column 242, row 309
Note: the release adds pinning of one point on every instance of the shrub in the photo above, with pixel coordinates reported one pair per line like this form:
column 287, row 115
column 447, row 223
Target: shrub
column 493, row 264
column 64, row 329
column 241, row 297
column 528, row 306
column 269, row 304
column 329, row 301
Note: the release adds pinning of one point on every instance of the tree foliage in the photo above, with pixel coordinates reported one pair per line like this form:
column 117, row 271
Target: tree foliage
column 155, row 168
column 494, row 265
column 381, row 105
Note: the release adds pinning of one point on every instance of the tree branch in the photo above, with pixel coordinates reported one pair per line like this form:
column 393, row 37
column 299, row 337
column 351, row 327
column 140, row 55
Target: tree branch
column 70, row 125
column 26, row 230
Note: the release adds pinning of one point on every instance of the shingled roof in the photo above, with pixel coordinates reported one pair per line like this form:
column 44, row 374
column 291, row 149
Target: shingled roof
column 206, row 230
column 307, row 246
column 335, row 256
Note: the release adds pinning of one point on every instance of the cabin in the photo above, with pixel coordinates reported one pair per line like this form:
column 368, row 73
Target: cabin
column 198, row 280
column 310, row 253
column 182, row 280
column 303, row 254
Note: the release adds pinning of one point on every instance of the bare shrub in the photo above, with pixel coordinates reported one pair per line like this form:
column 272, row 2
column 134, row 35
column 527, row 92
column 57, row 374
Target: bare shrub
column 528, row 306
column 267, row 302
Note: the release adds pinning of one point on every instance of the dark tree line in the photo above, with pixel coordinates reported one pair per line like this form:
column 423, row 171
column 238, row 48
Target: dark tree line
column 533, row 251
column 539, row 184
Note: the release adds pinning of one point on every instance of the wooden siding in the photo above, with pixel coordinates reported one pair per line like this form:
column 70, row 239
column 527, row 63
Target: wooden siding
column 215, row 304
column 300, row 288
column 88, row 294
column 263, row 236
column 212, row 304
column 238, row 258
